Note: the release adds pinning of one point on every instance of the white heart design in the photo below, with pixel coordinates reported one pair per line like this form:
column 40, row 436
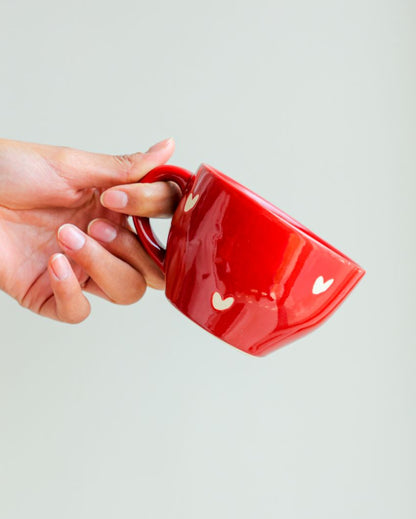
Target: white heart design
column 190, row 202
column 320, row 285
column 221, row 304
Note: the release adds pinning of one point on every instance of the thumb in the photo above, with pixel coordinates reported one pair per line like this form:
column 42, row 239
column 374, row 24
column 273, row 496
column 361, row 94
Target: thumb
column 83, row 169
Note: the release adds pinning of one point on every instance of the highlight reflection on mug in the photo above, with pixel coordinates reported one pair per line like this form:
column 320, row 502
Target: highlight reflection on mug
column 240, row 267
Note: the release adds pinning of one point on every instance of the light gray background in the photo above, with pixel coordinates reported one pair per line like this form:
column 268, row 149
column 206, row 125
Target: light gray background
column 139, row 413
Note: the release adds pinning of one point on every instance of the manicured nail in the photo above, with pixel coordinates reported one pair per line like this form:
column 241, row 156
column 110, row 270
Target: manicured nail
column 160, row 145
column 71, row 237
column 114, row 199
column 60, row 267
column 102, row 231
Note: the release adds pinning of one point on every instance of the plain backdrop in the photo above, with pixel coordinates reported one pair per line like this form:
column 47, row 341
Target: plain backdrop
column 137, row 412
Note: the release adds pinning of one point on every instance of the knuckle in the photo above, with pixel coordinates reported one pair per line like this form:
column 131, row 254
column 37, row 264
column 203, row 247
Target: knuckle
column 77, row 316
column 146, row 199
column 133, row 295
column 76, row 319
column 147, row 191
column 125, row 166
column 63, row 154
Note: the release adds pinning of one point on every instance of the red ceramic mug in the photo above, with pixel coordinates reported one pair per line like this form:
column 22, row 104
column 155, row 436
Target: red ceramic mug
column 240, row 267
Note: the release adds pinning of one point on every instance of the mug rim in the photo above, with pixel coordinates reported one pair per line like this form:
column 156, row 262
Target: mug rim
column 274, row 210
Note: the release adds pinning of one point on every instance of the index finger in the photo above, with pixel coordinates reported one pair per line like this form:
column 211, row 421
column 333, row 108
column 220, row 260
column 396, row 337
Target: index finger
column 158, row 199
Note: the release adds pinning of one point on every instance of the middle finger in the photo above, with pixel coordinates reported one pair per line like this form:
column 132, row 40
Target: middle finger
column 124, row 244
column 122, row 283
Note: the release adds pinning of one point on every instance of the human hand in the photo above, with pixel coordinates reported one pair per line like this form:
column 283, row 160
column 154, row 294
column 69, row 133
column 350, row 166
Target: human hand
column 50, row 202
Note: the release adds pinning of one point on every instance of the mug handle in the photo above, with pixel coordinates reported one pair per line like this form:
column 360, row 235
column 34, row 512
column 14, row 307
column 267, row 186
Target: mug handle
column 150, row 242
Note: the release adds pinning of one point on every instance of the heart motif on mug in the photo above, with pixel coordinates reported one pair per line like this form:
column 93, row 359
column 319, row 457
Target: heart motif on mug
column 320, row 285
column 190, row 202
column 221, row 304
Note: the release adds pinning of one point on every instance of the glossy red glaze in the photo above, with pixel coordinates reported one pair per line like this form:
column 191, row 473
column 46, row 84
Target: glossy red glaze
column 241, row 268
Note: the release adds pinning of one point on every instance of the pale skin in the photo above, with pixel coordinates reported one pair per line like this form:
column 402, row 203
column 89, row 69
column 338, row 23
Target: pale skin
column 64, row 229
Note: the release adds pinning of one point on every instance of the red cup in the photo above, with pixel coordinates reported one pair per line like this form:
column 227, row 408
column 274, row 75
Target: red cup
column 240, row 267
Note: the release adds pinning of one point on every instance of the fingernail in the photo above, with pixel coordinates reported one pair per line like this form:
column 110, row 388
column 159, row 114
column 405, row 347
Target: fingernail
column 102, row 231
column 71, row 237
column 60, row 267
column 160, row 145
column 114, row 199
